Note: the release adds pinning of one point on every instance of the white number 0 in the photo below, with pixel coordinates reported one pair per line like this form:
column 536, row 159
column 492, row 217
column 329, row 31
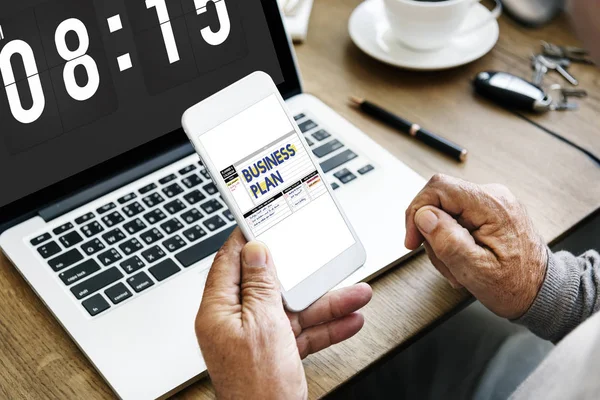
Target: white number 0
column 76, row 58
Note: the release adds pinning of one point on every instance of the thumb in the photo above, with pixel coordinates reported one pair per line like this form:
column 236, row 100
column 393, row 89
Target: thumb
column 452, row 243
column 259, row 276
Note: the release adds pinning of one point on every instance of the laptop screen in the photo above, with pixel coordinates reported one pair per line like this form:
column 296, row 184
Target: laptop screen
column 84, row 81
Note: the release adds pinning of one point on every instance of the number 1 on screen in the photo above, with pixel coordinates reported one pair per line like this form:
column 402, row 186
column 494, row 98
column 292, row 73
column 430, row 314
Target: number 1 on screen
column 166, row 28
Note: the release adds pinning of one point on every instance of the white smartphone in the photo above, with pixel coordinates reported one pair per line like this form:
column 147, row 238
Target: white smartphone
column 266, row 173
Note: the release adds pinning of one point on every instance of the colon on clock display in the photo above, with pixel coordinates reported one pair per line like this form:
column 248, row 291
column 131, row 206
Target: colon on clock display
column 56, row 75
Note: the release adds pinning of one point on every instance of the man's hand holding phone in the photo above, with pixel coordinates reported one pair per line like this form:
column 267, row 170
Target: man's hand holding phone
column 250, row 344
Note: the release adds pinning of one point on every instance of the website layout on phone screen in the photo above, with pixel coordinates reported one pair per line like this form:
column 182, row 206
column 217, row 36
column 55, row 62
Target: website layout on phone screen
column 277, row 187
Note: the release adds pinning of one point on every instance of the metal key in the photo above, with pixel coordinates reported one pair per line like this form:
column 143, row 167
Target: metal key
column 539, row 71
column 563, row 72
column 564, row 107
column 572, row 53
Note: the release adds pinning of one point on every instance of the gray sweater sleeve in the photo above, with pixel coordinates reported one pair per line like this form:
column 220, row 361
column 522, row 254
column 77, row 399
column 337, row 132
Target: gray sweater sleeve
column 569, row 295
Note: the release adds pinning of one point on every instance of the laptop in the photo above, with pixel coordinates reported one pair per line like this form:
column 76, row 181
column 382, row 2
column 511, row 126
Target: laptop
column 106, row 210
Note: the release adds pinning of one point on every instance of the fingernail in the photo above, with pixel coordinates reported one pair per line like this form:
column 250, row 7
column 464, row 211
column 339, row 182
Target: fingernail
column 455, row 286
column 255, row 254
column 426, row 221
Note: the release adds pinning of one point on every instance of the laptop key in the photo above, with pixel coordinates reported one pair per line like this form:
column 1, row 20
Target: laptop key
column 118, row 293
column 79, row 272
column 106, row 208
column 191, row 216
column 132, row 264
column 109, row 257
column 327, row 148
column 134, row 226
column 84, row 218
column 49, row 249
column 113, row 219
column 140, row 282
column 191, row 181
column 96, row 282
column 174, row 244
column 338, row 160
column 211, row 206
column 214, row 223
column 114, row 236
column 365, row 169
column 95, row 305
column 172, row 190
column 92, row 247
column 194, row 233
column 92, row 229
column 130, row 246
column 153, row 254
column 71, row 239
column 65, row 260
column 167, row 179
column 187, row 169
column 127, row 198
column 206, row 174
column 335, row 186
column 341, row 173
column 307, row 125
column 203, row 249
column 310, row 142
column 154, row 216
column 153, row 200
column 147, row 188
column 321, row 135
column 63, row 228
column 151, row 236
column 194, row 197
column 347, row 178
column 163, row 270
column 133, row 209
column 299, row 117
column 229, row 215
column 210, row 188
column 40, row 239
column 175, row 206
column 171, row 226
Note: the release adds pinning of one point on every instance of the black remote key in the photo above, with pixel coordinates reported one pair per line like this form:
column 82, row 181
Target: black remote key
column 167, row 179
column 174, row 207
column 153, row 254
column 92, row 229
column 321, row 135
column 194, row 233
column 187, row 169
column 307, row 125
column 109, row 257
column 106, row 208
column 154, row 216
column 328, row 148
column 49, row 249
column 147, row 188
column 96, row 282
column 79, row 272
column 127, row 198
column 92, row 247
column 133, row 209
column 134, row 226
column 172, row 190
column 174, row 244
column 338, row 160
column 214, row 223
column 211, row 206
column 140, row 282
column 113, row 219
column 171, row 226
column 114, row 236
column 132, row 264
column 153, row 199
column 191, row 181
column 71, row 239
column 118, row 293
column 40, row 239
column 84, row 218
column 63, row 228
column 210, row 188
column 194, row 197
column 163, row 270
column 130, row 246
column 65, row 260
column 203, row 249
column 95, row 305
column 191, row 216
column 152, row 235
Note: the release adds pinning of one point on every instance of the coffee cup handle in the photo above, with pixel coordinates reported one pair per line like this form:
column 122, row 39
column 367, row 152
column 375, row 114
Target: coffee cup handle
column 494, row 14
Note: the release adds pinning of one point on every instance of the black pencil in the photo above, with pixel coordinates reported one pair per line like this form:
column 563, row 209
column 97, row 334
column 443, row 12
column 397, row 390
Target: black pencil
column 431, row 139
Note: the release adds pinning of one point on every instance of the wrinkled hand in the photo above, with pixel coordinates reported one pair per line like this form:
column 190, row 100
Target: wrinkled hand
column 253, row 347
column 479, row 237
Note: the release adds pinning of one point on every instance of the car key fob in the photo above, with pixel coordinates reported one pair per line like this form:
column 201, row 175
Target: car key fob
column 511, row 91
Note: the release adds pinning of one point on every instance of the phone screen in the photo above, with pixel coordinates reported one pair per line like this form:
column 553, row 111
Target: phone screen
column 275, row 184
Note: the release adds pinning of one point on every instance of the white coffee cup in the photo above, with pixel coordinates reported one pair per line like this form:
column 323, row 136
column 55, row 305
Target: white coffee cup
column 423, row 25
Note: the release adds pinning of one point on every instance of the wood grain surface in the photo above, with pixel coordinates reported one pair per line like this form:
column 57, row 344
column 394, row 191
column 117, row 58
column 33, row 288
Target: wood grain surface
column 558, row 184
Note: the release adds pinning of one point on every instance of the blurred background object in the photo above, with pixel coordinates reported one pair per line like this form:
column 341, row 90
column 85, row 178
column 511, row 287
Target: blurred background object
column 533, row 12
column 296, row 15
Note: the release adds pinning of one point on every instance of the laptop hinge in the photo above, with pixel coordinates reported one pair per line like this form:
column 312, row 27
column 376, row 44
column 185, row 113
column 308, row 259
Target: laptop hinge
column 92, row 193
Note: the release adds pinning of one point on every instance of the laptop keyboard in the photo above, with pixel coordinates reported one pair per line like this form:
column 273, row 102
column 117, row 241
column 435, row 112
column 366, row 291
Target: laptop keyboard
column 141, row 239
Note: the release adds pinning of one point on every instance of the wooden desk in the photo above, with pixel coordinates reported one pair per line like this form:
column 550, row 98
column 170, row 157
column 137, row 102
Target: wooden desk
column 559, row 185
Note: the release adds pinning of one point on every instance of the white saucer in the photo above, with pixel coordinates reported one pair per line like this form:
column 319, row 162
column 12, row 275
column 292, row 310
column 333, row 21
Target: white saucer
column 369, row 28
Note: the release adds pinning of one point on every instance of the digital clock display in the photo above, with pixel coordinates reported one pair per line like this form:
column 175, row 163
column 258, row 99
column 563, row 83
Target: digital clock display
column 82, row 81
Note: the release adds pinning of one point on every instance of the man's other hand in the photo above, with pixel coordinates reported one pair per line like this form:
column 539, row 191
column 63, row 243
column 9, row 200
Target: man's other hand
column 253, row 347
column 481, row 238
